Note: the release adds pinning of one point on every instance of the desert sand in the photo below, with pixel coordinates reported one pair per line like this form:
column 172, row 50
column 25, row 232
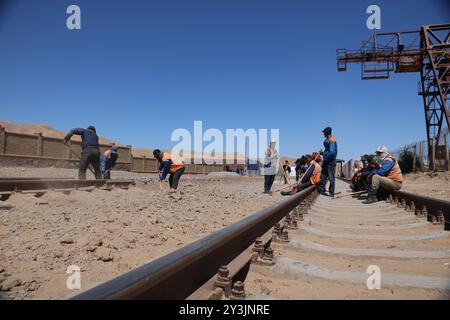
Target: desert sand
column 107, row 233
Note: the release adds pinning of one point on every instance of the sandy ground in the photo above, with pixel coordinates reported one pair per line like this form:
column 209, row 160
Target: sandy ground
column 436, row 185
column 106, row 233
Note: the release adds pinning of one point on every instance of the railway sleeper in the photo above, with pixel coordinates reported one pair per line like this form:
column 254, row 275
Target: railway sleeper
column 228, row 283
column 280, row 234
column 433, row 215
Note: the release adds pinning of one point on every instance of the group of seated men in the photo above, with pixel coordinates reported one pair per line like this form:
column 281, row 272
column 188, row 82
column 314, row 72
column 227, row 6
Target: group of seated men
column 375, row 174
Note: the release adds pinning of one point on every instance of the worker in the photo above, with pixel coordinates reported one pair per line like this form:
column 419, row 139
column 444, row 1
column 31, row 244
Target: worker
column 357, row 167
column 287, row 171
column 358, row 180
column 388, row 176
column 270, row 167
column 90, row 153
column 365, row 160
column 311, row 177
column 108, row 161
column 168, row 165
column 328, row 163
column 299, row 163
column 316, row 155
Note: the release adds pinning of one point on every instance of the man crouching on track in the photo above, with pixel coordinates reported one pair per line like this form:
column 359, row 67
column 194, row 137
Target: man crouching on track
column 167, row 165
column 311, row 177
column 388, row 176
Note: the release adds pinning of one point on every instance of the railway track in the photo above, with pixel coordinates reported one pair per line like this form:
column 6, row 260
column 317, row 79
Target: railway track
column 38, row 186
column 308, row 246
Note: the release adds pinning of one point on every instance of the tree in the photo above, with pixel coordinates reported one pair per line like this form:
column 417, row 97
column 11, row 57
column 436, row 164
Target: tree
column 406, row 161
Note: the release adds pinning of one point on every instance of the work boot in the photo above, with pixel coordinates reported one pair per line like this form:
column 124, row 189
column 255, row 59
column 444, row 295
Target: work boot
column 371, row 198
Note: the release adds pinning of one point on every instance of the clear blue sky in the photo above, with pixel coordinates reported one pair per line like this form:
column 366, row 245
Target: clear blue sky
column 139, row 69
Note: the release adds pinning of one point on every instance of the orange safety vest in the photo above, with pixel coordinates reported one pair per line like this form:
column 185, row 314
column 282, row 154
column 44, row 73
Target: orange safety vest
column 395, row 174
column 315, row 176
column 175, row 165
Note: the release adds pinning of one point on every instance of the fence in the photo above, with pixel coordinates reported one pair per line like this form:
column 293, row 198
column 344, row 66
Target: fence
column 150, row 165
column 37, row 150
column 439, row 160
column 37, row 147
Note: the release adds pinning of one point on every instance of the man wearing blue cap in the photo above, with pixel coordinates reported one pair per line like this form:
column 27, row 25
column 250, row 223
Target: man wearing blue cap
column 108, row 161
column 329, row 162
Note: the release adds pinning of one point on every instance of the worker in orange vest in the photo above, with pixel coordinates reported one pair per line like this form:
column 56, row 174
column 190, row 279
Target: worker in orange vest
column 388, row 176
column 166, row 166
column 310, row 178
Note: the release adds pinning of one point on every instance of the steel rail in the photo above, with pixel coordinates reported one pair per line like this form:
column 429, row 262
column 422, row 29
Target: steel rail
column 36, row 184
column 180, row 273
column 35, row 178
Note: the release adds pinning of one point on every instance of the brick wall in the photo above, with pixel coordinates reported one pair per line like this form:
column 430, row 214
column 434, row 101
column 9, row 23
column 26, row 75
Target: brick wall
column 21, row 145
column 37, row 150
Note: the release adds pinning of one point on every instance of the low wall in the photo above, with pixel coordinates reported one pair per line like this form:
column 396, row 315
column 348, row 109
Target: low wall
column 19, row 149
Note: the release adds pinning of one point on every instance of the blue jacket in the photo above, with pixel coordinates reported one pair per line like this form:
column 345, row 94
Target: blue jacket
column 308, row 173
column 164, row 167
column 385, row 167
column 88, row 137
column 330, row 152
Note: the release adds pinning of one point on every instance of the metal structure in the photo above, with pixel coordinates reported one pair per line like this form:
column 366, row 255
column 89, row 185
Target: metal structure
column 426, row 51
column 197, row 270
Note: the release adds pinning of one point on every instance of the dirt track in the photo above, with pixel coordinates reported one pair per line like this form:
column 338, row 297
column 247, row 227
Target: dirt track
column 107, row 233
column 436, row 185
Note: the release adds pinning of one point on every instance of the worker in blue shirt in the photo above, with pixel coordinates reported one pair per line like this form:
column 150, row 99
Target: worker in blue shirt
column 387, row 176
column 329, row 162
column 90, row 153
column 299, row 164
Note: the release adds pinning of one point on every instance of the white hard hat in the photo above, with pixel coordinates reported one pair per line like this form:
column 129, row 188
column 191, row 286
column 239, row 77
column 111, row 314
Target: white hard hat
column 381, row 149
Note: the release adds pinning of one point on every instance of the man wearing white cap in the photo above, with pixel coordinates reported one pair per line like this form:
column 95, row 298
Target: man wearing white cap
column 388, row 176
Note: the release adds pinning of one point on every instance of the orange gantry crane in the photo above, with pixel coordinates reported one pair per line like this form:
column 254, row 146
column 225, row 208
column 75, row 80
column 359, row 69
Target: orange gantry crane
column 426, row 51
